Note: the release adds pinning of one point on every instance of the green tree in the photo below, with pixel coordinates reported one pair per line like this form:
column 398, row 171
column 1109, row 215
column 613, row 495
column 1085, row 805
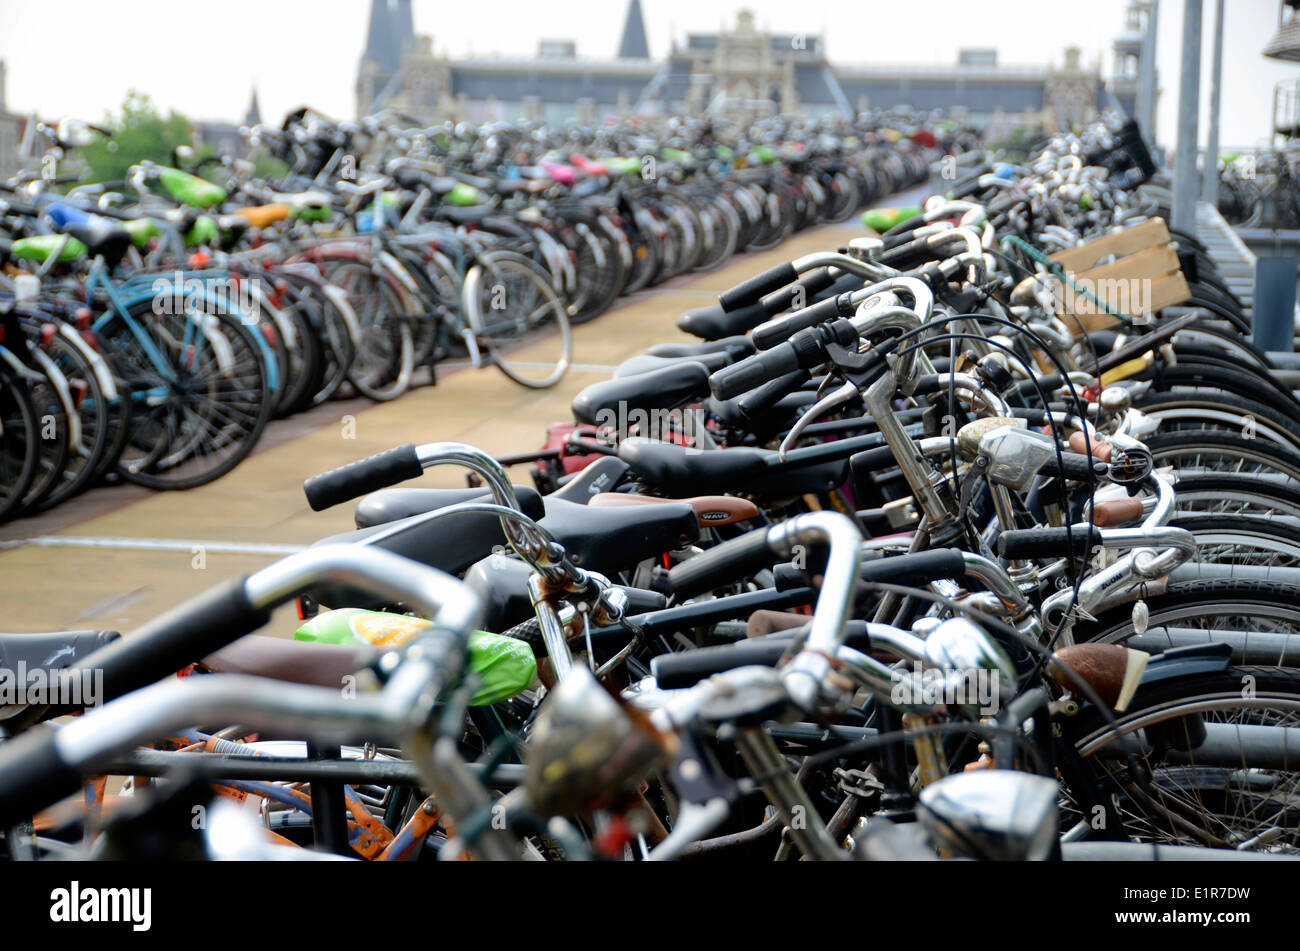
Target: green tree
column 139, row 133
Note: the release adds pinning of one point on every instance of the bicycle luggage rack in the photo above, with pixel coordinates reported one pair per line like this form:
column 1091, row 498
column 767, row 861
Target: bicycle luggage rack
column 1145, row 276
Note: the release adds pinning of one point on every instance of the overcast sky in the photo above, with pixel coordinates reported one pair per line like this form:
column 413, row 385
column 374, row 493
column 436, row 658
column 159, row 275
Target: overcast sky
column 79, row 57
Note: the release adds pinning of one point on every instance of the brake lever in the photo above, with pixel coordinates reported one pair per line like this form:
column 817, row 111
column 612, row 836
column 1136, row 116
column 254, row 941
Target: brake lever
column 704, row 791
column 859, row 369
column 816, row 411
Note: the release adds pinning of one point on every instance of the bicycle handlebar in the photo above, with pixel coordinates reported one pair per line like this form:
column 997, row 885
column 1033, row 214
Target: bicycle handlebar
column 805, row 350
column 760, row 285
column 350, row 481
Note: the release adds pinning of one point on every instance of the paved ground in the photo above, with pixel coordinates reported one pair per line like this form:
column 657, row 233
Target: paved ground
column 119, row 556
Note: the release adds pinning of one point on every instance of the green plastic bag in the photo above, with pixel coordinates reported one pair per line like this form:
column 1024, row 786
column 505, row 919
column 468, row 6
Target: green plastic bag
column 190, row 189
column 623, row 165
column 39, row 247
column 205, row 231
column 505, row 665
column 464, row 196
column 882, row 219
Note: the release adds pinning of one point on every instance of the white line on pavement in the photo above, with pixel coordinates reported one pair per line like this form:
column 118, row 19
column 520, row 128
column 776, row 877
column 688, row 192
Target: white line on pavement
column 153, row 544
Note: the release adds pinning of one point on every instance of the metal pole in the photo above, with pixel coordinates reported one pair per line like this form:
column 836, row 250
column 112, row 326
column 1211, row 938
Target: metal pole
column 1146, row 100
column 1186, row 183
column 1210, row 184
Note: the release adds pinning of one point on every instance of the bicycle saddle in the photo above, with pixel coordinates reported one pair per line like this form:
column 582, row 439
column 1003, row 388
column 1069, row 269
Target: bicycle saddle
column 415, row 178
column 261, row 216
column 713, row 323
column 391, row 505
column 599, row 476
column 709, row 509
column 645, row 363
column 45, row 652
column 52, row 651
column 615, row 539
column 604, row 540
column 451, row 544
column 659, row 389
column 738, row 346
column 670, row 467
column 100, row 235
column 298, row 662
column 676, row 470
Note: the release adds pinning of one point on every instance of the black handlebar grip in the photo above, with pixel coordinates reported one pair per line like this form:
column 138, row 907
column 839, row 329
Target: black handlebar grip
column 758, row 286
column 33, row 775
column 872, row 460
column 917, row 568
column 769, row 394
column 780, row 329
column 752, row 372
column 814, row 282
column 1048, row 542
column 688, row 668
column 913, row 569
column 188, row 632
column 365, row 475
column 732, row 559
column 1045, row 384
column 1075, row 467
column 928, row 383
column 805, row 350
column 970, row 184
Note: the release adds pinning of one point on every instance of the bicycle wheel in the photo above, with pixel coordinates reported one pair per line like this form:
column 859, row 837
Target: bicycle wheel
column 425, row 327
column 722, row 229
column 301, row 370
column 845, row 198
column 599, row 274
column 685, row 221
column 1183, row 410
column 120, row 410
column 1200, row 452
column 645, row 259
column 1259, row 619
column 1243, row 540
column 1237, row 495
column 52, row 403
column 336, row 333
column 385, row 356
column 89, row 441
column 199, row 424
column 515, row 314
column 19, row 443
column 1215, row 761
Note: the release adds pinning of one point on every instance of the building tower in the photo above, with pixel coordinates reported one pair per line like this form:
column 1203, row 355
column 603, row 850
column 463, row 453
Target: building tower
column 634, row 45
column 390, row 34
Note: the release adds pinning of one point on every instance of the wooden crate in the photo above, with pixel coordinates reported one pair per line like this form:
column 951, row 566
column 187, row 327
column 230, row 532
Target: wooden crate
column 1143, row 278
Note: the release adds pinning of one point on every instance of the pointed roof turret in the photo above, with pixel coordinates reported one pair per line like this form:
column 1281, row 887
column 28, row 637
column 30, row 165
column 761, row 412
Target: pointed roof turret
column 254, row 115
column 403, row 26
column 633, row 45
column 382, row 46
